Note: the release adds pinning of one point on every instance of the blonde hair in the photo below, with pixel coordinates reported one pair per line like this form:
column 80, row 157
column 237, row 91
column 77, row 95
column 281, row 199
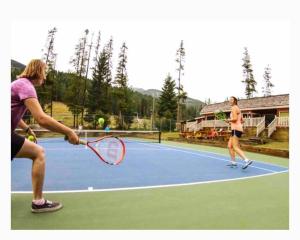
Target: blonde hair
column 235, row 101
column 34, row 70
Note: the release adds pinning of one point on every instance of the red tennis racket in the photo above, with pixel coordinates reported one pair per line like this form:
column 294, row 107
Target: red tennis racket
column 109, row 149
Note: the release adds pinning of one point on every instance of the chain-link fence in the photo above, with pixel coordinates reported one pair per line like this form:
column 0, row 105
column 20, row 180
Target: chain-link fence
column 90, row 121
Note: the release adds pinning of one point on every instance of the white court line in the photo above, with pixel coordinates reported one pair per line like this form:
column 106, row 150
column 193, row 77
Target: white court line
column 153, row 187
column 220, row 159
column 223, row 155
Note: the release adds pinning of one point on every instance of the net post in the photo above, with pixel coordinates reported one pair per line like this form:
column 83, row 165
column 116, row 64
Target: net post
column 85, row 136
column 159, row 137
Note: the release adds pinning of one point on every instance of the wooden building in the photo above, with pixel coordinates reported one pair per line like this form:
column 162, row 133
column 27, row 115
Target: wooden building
column 264, row 114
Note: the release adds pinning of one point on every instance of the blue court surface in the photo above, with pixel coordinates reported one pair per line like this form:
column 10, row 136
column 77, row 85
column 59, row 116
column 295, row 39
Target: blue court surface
column 76, row 168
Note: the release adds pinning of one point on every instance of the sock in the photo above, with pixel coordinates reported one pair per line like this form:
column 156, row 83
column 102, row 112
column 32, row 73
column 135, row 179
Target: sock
column 39, row 201
column 246, row 160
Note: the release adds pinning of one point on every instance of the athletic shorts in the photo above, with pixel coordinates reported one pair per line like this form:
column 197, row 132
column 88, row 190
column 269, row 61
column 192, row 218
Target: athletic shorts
column 236, row 133
column 17, row 142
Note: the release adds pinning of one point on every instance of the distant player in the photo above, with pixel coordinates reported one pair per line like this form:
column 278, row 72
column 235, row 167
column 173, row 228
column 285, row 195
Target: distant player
column 236, row 122
column 24, row 97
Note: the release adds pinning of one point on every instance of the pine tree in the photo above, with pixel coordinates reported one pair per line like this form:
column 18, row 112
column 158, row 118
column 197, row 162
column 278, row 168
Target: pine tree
column 86, row 78
column 167, row 104
column 76, row 89
column 121, row 91
column 180, row 59
column 45, row 92
column 96, row 101
column 248, row 75
column 109, row 53
column 108, row 49
column 97, row 47
column 268, row 85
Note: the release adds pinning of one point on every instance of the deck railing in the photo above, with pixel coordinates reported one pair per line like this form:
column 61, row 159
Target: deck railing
column 272, row 127
column 260, row 126
column 282, row 121
column 253, row 122
column 277, row 122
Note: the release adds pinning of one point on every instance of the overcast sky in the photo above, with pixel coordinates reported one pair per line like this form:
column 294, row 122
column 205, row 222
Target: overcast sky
column 214, row 50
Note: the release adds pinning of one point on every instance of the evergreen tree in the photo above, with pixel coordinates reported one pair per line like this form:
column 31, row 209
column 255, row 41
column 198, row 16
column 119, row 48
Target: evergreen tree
column 96, row 101
column 122, row 93
column 86, row 79
column 109, row 54
column 97, row 47
column 168, row 100
column 248, row 75
column 45, row 92
column 268, row 85
column 180, row 59
column 108, row 49
column 77, row 87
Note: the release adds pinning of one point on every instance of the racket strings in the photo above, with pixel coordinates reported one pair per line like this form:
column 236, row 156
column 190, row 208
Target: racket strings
column 110, row 150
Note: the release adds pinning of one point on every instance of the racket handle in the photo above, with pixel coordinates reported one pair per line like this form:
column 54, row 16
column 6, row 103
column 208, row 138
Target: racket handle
column 80, row 140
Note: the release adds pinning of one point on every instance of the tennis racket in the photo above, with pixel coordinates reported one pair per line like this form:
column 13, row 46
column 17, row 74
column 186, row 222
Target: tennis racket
column 110, row 149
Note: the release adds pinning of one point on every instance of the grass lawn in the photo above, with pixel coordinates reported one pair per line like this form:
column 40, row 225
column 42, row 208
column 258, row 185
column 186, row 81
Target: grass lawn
column 275, row 145
column 258, row 203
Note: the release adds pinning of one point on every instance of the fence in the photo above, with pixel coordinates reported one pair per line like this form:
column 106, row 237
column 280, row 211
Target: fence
column 282, row 121
column 277, row 122
column 260, row 126
column 90, row 121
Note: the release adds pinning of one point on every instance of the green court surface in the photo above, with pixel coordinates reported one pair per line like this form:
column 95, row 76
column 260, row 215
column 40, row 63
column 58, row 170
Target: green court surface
column 255, row 203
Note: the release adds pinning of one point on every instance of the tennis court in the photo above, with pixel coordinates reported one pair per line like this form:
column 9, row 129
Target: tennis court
column 157, row 186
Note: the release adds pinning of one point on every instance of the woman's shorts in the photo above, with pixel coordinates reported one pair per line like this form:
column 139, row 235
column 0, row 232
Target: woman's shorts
column 236, row 133
column 17, row 142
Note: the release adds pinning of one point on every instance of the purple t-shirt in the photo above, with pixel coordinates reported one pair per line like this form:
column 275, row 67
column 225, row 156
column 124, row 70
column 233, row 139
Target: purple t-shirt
column 21, row 89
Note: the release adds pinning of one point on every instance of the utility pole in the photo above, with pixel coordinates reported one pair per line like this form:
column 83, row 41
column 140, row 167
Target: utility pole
column 153, row 111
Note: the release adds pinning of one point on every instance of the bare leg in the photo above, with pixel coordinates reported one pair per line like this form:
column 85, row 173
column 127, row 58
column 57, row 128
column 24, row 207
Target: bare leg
column 236, row 147
column 37, row 154
column 231, row 150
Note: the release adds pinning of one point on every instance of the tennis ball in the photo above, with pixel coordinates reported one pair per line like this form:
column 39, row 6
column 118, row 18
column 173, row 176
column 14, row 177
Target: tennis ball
column 31, row 138
column 101, row 121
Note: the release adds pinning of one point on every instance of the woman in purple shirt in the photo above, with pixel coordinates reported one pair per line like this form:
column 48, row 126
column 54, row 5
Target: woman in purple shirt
column 23, row 98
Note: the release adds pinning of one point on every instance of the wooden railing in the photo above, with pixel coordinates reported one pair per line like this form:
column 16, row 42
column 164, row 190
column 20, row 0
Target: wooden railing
column 259, row 123
column 277, row 122
column 282, row 121
column 272, row 127
column 248, row 122
column 260, row 126
column 191, row 126
column 253, row 122
column 213, row 123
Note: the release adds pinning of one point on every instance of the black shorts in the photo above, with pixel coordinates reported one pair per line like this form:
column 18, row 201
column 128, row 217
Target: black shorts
column 236, row 133
column 17, row 142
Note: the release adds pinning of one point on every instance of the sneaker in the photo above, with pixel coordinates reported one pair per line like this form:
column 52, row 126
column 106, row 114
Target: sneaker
column 48, row 206
column 232, row 165
column 247, row 164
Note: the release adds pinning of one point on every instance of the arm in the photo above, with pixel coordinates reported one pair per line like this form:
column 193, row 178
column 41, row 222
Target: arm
column 242, row 119
column 234, row 115
column 23, row 125
column 27, row 129
column 48, row 122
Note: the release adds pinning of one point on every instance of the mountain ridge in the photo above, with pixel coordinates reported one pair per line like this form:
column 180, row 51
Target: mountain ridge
column 156, row 93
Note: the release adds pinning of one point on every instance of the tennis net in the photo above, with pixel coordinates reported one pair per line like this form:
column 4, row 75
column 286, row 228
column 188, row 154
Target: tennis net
column 127, row 136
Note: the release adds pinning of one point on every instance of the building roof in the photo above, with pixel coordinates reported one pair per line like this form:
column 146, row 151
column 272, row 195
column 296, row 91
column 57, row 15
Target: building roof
column 270, row 102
